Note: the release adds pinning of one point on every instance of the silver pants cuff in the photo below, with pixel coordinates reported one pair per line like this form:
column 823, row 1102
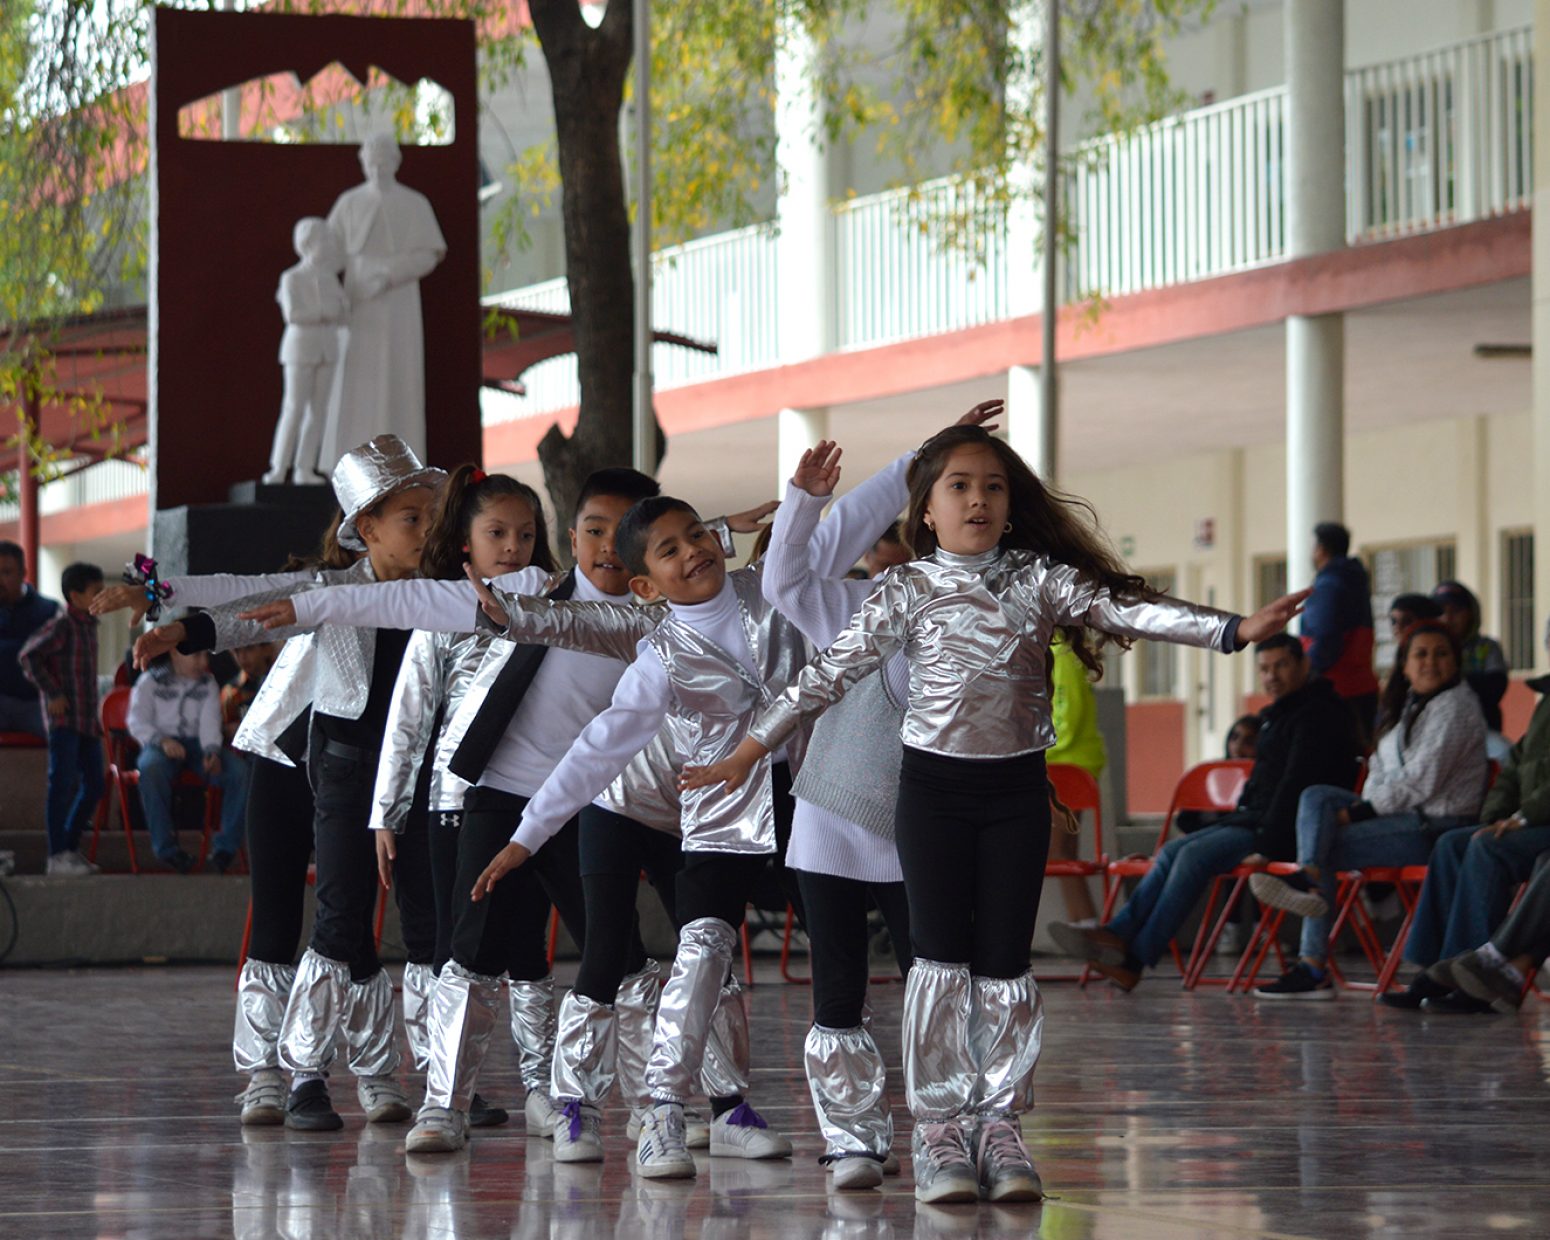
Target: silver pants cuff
column 462, row 1019
column 532, row 1029
column 939, row 1070
column 419, row 982
column 370, row 1032
column 635, row 1015
column 688, row 1006
column 585, row 1050
column 1006, row 1033
column 846, row 1078
column 313, row 1014
column 263, row 989
column 724, row 1073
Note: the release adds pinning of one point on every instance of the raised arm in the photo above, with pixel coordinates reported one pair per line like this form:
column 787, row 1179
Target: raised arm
column 819, row 605
column 418, row 694
column 858, row 520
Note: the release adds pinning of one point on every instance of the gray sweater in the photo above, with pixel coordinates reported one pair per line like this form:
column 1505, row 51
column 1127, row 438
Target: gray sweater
column 852, row 763
column 1440, row 769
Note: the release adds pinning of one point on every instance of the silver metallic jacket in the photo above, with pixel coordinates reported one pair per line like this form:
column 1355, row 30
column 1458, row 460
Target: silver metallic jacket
column 975, row 630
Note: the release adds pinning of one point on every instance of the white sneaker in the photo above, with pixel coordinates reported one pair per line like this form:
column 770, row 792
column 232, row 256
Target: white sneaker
column 540, row 1113
column 1005, row 1170
column 383, row 1099
column 696, row 1128
column 742, row 1133
column 661, row 1153
column 890, row 1164
column 263, row 1101
column 943, row 1169
column 578, row 1133
column 66, row 864
column 437, row 1130
column 855, row 1172
column 87, row 867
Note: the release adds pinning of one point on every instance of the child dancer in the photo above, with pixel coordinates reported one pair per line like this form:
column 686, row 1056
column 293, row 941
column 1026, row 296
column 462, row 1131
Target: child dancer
column 346, row 676
column 1008, row 561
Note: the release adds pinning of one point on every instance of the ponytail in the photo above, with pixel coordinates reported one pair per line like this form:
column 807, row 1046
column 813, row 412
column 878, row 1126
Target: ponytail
column 467, row 492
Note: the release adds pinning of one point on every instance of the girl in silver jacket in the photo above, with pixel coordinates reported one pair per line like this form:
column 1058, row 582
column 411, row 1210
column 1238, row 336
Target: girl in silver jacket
column 1006, row 562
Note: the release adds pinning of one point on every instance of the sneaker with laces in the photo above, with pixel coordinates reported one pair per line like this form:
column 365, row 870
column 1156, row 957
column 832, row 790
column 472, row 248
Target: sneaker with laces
column 383, row 1099
column 308, row 1109
column 1480, row 979
column 437, row 1130
column 742, row 1133
column 1006, row 1172
column 890, row 1163
column 660, row 1154
column 696, row 1128
column 578, row 1133
column 853, row 1172
column 1294, row 893
column 943, row 1170
column 66, row 864
column 1299, row 982
column 482, row 1115
column 540, row 1113
column 263, row 1101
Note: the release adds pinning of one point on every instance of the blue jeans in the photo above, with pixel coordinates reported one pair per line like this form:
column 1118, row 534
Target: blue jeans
column 1180, row 874
column 158, row 776
column 1468, row 887
column 74, row 786
column 1393, row 839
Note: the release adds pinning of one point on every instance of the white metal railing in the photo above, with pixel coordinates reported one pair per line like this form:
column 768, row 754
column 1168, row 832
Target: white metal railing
column 110, row 480
column 1442, row 138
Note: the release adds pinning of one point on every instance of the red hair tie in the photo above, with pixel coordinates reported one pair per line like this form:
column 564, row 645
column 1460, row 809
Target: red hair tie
column 478, row 475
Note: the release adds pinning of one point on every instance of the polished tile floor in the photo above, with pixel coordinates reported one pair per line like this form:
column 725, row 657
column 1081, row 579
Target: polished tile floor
column 1161, row 1115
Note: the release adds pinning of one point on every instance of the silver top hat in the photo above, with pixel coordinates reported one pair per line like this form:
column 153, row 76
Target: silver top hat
column 370, row 473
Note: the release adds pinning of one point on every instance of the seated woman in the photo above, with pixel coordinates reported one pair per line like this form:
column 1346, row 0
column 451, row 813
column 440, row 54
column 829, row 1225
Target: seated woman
column 1427, row 776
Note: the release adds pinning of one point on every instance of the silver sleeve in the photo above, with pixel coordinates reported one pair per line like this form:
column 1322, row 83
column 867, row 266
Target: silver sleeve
column 1075, row 598
column 417, row 696
column 232, row 633
column 606, row 629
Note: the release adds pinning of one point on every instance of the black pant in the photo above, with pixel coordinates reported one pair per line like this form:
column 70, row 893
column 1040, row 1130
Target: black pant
column 279, row 844
column 838, row 938
column 973, row 837
column 506, row 931
column 414, row 888
column 444, row 828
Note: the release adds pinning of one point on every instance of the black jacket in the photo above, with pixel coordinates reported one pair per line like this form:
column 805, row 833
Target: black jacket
column 1307, row 738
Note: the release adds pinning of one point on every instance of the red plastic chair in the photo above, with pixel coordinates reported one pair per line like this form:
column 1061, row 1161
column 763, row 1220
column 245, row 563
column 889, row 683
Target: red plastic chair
column 21, row 740
column 1078, row 791
column 123, row 776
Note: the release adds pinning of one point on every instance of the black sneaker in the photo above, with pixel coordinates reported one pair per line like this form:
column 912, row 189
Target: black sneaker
column 1411, row 998
column 1299, row 982
column 482, row 1115
column 220, row 861
column 1456, row 1003
column 179, row 861
column 308, row 1109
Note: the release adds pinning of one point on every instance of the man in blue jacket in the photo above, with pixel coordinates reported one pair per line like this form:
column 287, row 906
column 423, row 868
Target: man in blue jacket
column 23, row 611
column 1337, row 623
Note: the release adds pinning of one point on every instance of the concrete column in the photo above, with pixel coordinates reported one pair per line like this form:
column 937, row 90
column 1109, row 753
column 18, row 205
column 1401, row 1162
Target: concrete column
column 1025, row 428
column 805, row 241
column 1540, row 414
column 796, row 431
column 1314, row 38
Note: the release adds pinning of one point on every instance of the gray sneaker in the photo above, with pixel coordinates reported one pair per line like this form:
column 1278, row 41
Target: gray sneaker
column 661, row 1154
column 1006, row 1171
column 696, row 1130
column 943, row 1170
column 383, row 1099
column 437, row 1130
column 1481, row 980
column 263, row 1101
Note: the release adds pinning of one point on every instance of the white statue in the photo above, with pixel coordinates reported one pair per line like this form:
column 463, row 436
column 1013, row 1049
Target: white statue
column 313, row 303
column 391, row 242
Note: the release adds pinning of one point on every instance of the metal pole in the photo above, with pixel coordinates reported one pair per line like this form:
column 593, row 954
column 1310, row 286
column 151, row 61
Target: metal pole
column 26, row 480
column 1049, row 424
column 643, row 425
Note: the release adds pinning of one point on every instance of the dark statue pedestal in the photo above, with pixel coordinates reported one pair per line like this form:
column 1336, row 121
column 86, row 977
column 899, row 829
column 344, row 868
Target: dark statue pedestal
column 256, row 532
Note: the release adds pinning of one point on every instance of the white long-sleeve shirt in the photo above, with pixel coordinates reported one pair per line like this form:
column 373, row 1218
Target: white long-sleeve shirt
column 166, row 706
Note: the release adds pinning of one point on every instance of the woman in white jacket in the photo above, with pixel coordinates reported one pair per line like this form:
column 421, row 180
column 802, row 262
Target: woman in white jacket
column 1427, row 775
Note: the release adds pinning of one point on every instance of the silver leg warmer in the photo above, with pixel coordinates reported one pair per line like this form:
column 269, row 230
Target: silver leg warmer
column 846, row 1077
column 585, row 1050
column 419, row 982
column 263, row 990
column 313, row 1013
column 939, row 1071
column 1006, row 1033
column 724, row 1073
column 532, row 1029
column 370, row 1032
column 635, row 1013
column 462, row 1019
column 688, row 1006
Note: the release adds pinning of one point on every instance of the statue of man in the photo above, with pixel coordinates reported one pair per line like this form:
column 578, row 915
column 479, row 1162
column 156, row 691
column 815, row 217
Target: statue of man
column 391, row 242
column 314, row 307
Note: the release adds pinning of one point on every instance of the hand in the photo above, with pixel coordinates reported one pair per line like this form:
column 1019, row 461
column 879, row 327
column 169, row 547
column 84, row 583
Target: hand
column 212, row 764
column 57, row 707
column 1271, row 618
column 277, row 615
column 174, row 749
column 1255, row 859
column 754, row 520
column 730, row 771
column 1498, row 829
column 507, row 860
column 387, row 853
column 491, row 606
column 118, row 598
column 1343, row 818
column 982, row 413
column 154, row 643
column 818, row 472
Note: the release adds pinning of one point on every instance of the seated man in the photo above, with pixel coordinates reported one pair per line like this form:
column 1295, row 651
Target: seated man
column 1495, row 974
column 1308, row 737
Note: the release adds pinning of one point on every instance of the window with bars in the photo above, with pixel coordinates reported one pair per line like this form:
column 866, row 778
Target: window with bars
column 1520, row 636
column 1413, row 568
column 1158, row 662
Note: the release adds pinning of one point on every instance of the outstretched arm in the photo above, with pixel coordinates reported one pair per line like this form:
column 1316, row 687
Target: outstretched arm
column 419, row 603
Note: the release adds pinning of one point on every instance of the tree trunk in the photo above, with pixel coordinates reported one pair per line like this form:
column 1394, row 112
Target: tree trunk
column 587, row 70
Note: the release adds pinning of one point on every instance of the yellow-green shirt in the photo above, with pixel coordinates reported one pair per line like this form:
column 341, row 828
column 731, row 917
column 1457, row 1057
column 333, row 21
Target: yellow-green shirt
column 1078, row 741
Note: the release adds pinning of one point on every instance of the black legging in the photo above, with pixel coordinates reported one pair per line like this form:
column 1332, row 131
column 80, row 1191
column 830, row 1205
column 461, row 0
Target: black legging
column 614, row 850
column 973, row 837
column 279, row 846
column 838, row 939
column 443, row 835
column 506, row 931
